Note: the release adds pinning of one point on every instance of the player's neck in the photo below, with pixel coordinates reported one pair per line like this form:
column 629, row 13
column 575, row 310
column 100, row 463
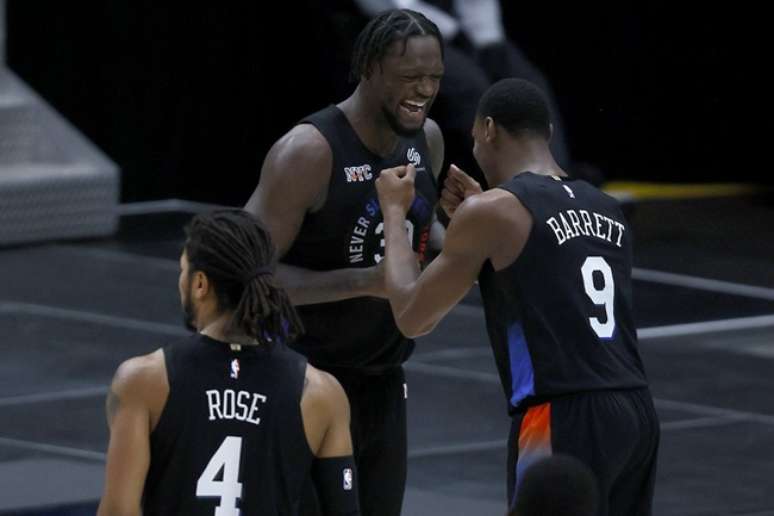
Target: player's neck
column 219, row 329
column 368, row 121
column 527, row 156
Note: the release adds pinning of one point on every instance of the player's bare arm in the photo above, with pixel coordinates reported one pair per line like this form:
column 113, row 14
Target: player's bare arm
column 325, row 410
column 481, row 229
column 419, row 302
column 137, row 392
column 294, row 181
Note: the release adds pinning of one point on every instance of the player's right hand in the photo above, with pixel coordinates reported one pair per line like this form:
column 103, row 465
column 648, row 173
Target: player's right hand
column 395, row 187
column 457, row 187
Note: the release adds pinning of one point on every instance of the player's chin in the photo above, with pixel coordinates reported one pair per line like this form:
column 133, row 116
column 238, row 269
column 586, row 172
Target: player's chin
column 410, row 127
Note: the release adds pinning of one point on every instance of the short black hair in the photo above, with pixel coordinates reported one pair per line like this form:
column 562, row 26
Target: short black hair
column 236, row 253
column 518, row 106
column 557, row 486
column 382, row 31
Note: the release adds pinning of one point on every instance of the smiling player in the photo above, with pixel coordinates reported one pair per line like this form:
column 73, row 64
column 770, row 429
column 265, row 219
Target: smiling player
column 317, row 197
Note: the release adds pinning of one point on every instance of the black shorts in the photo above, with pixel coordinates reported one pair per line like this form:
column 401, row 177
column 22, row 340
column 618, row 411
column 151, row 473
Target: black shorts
column 378, row 414
column 615, row 433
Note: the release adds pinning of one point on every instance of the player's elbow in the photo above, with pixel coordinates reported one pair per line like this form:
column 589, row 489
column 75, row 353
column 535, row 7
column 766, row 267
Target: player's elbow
column 413, row 328
column 109, row 512
column 107, row 508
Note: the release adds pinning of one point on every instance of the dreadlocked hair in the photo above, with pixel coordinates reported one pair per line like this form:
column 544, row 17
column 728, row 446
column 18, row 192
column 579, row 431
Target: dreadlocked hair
column 235, row 252
column 382, row 31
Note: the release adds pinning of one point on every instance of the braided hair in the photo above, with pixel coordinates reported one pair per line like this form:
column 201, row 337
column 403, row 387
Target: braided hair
column 235, row 252
column 382, row 31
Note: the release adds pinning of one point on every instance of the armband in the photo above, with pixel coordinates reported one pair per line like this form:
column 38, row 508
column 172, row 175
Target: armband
column 336, row 481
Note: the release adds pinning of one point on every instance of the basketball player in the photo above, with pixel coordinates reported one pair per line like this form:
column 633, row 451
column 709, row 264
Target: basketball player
column 317, row 197
column 553, row 259
column 229, row 421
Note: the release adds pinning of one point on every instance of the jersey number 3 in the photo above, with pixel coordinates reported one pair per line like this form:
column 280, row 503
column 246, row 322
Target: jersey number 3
column 604, row 296
column 228, row 489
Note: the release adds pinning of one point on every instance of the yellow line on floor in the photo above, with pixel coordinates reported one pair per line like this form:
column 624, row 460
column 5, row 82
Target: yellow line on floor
column 645, row 191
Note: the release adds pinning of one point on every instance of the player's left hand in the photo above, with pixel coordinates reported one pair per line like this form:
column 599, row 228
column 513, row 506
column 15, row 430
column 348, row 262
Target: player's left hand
column 395, row 187
column 457, row 187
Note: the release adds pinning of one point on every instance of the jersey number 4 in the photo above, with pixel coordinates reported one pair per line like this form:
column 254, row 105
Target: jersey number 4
column 604, row 296
column 228, row 489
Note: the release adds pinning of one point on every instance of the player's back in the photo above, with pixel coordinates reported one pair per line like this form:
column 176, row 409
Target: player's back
column 230, row 439
column 560, row 317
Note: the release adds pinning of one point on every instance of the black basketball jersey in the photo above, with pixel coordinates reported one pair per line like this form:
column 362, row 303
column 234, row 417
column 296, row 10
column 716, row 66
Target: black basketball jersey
column 231, row 435
column 560, row 317
column 348, row 231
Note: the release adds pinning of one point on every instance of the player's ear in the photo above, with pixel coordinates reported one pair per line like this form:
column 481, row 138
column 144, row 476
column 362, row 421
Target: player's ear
column 200, row 285
column 490, row 129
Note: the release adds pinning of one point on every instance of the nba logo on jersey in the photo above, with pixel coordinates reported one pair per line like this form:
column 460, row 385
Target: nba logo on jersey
column 347, row 474
column 569, row 191
column 235, row 368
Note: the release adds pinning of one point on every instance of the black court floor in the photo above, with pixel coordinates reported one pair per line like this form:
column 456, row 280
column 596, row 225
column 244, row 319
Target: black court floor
column 70, row 312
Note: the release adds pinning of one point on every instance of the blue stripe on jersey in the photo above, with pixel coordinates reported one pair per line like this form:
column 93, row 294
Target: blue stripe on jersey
column 522, row 373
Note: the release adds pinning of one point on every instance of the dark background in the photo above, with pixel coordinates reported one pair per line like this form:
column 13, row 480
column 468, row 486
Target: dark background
column 187, row 99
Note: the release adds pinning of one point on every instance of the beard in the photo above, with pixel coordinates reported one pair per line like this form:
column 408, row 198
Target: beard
column 189, row 314
column 395, row 125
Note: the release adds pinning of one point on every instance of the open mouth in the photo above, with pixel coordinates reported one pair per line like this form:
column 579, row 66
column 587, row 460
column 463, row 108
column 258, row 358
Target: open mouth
column 413, row 109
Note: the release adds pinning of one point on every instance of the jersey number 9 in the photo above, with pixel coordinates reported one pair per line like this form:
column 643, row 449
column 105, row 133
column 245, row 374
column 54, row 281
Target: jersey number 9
column 604, row 296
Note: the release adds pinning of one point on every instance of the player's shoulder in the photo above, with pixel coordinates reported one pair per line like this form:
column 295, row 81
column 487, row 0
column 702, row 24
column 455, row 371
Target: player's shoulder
column 432, row 130
column 594, row 196
column 491, row 204
column 140, row 374
column 306, row 134
column 435, row 144
column 601, row 195
column 320, row 382
column 488, row 218
column 299, row 164
column 303, row 143
column 323, row 389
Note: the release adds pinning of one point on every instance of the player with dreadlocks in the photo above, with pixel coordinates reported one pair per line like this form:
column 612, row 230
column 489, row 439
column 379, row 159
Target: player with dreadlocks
column 229, row 421
column 316, row 195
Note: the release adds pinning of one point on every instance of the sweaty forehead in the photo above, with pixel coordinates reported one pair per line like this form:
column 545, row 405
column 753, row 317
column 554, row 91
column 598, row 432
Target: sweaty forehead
column 416, row 51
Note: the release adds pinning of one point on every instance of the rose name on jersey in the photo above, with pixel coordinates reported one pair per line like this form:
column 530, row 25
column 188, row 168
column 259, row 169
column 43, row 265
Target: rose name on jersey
column 230, row 404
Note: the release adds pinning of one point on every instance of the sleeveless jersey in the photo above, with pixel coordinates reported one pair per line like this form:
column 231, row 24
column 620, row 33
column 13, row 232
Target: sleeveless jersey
column 231, row 434
column 560, row 317
column 348, row 231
